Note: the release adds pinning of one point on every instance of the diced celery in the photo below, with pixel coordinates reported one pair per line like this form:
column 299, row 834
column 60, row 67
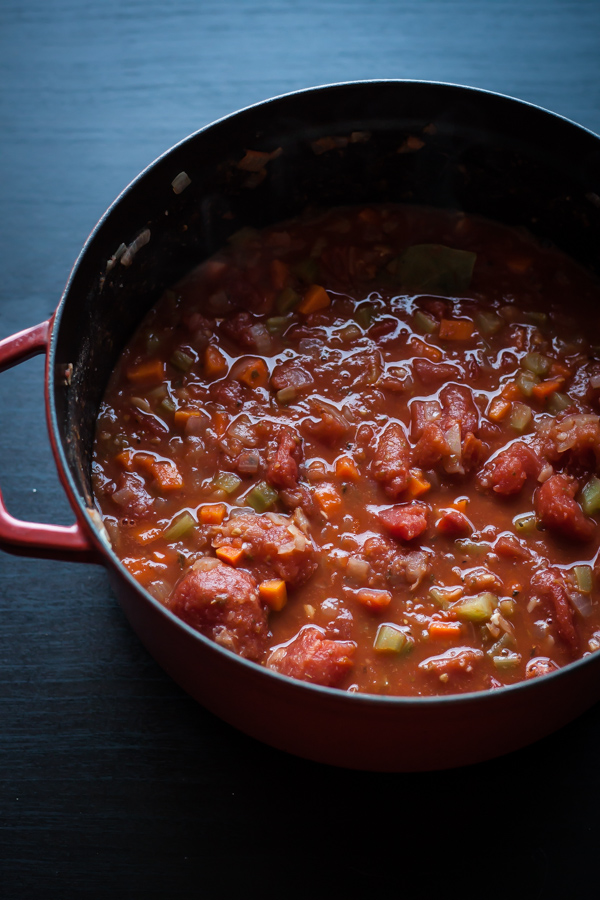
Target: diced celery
column 152, row 343
column 488, row 322
column 167, row 405
column 472, row 548
column 584, row 577
column 365, row 314
column 536, row 318
column 307, row 270
column 434, row 267
column 439, row 597
column 590, row 496
column 287, row 300
column 261, row 497
column 526, row 381
column 525, row 524
column 391, row 639
column 476, row 609
column 521, row 416
column 536, row 363
column 558, row 402
column 180, row 526
column 444, row 596
column 507, row 661
column 504, row 643
column 423, row 323
column 181, row 360
column 226, row 481
column 278, row 324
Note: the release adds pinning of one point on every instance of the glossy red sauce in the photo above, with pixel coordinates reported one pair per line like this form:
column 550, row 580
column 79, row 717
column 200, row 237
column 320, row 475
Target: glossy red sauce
column 361, row 448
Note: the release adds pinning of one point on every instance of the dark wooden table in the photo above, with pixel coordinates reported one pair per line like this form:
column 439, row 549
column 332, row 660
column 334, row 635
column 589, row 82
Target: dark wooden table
column 112, row 781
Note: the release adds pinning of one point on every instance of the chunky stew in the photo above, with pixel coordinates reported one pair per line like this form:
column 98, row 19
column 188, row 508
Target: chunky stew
column 362, row 449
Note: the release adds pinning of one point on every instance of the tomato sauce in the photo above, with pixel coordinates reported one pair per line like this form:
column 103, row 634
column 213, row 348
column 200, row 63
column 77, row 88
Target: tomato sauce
column 362, row 449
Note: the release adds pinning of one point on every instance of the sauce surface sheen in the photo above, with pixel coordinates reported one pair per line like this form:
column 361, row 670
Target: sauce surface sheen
column 362, row 449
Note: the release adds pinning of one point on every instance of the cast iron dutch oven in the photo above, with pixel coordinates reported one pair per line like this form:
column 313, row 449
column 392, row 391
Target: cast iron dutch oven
column 481, row 152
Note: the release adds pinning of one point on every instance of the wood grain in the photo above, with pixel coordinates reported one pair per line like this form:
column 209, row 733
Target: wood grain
column 112, row 782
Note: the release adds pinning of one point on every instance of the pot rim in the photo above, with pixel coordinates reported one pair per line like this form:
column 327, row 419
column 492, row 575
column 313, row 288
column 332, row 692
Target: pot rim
column 104, row 553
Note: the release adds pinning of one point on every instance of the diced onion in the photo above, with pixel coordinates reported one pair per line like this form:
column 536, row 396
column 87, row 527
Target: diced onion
column 453, row 462
column 135, row 245
column 180, row 182
column 358, row 568
column 582, row 603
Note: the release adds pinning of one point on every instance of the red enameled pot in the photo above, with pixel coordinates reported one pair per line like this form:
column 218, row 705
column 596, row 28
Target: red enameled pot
column 482, row 152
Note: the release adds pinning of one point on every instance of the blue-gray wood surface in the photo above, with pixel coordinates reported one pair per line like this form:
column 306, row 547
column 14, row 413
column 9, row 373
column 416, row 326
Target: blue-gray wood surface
column 112, row 781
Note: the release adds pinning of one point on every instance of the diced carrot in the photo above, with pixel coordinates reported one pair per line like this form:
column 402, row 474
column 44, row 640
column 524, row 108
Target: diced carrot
column 145, row 535
column 212, row 513
column 545, row 388
column 345, row 469
column 215, row 364
column 220, row 421
column 315, row 298
column 498, row 408
column 231, row 555
column 456, row 329
column 182, row 416
column 559, row 369
column 167, row 475
column 461, row 504
column 429, row 351
column 280, row 273
column 511, row 391
column 417, row 484
column 327, row 498
column 253, row 371
column 444, row 630
column 125, row 459
column 373, row 599
column 274, row 593
column 142, row 569
column 149, row 372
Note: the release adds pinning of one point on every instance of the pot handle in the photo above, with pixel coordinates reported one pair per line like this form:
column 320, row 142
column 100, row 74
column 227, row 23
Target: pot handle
column 30, row 538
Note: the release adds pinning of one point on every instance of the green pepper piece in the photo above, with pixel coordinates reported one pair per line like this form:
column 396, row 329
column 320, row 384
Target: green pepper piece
column 433, row 267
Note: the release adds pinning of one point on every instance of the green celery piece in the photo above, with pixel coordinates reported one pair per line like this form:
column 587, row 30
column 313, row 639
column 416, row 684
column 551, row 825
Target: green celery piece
column 261, row 497
column 521, row 416
column 307, row 270
column 180, row 526
column 226, row 481
column 181, row 360
column 525, row 524
column 558, row 402
column 424, row 323
column 590, row 496
column 584, row 575
column 536, row 363
column 433, row 268
column 488, row 322
column 287, row 300
column 390, row 639
column 476, row 609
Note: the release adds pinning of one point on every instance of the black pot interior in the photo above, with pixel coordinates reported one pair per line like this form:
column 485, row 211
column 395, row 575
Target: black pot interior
column 480, row 152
